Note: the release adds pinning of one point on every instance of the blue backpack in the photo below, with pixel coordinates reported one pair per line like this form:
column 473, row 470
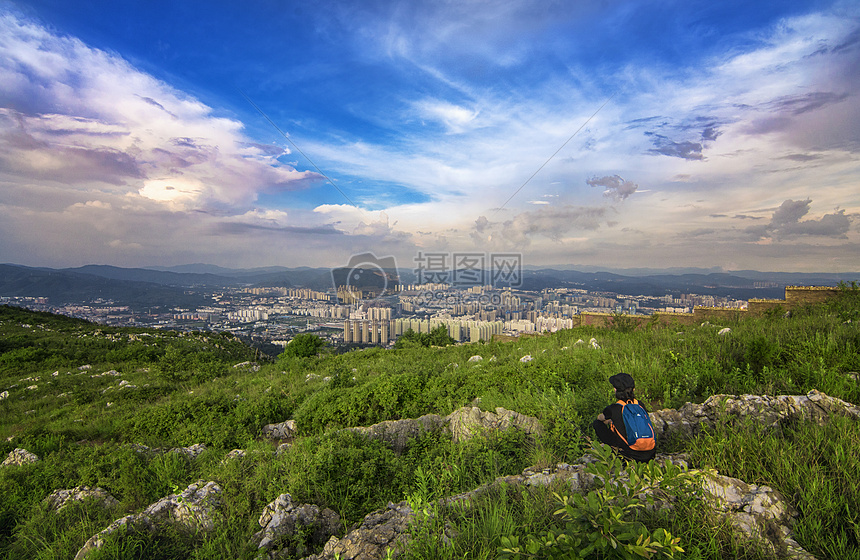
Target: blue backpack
column 640, row 432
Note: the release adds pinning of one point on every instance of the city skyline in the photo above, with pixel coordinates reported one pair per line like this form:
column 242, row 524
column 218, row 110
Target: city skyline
column 655, row 135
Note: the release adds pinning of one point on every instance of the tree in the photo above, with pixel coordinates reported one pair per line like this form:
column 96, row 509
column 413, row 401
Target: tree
column 437, row 337
column 303, row 345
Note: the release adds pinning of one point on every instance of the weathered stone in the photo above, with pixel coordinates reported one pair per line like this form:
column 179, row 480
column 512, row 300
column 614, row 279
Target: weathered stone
column 235, row 454
column 61, row 498
column 381, row 531
column 527, row 358
column 467, row 422
column 398, row 433
column 281, row 518
column 476, row 358
column 18, row 457
column 768, row 411
column 464, row 423
column 756, row 513
column 192, row 452
column 189, row 511
column 284, row 430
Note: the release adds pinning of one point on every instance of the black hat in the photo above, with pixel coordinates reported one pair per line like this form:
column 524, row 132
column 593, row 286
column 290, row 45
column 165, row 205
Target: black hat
column 622, row 381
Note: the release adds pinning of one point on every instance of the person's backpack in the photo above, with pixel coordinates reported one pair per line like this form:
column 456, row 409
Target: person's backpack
column 637, row 424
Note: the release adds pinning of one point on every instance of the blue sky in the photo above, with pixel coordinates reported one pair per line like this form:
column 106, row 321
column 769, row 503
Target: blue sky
column 616, row 134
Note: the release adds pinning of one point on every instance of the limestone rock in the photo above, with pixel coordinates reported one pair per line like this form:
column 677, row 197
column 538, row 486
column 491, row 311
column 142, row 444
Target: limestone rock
column 18, row 457
column 398, row 433
column 527, row 358
column 476, row 358
column 192, row 452
column 380, row 531
column 469, row 421
column 61, row 498
column 191, row 511
column 281, row 518
column 235, row 454
column 756, row 513
column 768, row 411
column 284, row 430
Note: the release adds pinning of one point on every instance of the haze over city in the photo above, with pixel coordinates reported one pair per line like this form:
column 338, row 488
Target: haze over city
column 619, row 135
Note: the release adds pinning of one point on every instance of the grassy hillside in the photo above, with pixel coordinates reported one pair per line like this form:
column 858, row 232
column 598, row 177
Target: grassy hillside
column 80, row 421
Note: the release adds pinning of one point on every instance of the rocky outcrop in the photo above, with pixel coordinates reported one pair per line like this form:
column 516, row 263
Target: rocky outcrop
column 18, row 457
column 398, row 433
column 469, row 421
column 381, row 531
column 282, row 519
column 462, row 424
column 767, row 411
column 192, row 451
column 190, row 511
column 758, row 514
column 61, row 498
column 284, row 430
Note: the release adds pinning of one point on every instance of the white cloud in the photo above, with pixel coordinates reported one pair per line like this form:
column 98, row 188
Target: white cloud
column 456, row 119
column 75, row 114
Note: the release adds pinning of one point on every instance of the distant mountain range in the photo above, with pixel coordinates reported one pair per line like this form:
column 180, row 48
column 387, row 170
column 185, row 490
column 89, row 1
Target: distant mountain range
column 182, row 285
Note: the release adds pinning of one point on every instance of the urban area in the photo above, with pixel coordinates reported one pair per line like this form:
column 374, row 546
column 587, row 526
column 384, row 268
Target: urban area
column 350, row 316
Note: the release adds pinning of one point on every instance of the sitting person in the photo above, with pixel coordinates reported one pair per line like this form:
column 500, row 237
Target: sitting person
column 612, row 428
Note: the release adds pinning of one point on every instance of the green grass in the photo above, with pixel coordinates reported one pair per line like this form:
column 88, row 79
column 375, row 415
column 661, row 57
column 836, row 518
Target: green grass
column 81, row 425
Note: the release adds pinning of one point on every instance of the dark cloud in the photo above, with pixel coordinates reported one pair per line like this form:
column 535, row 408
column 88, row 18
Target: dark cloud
column 800, row 104
column 710, row 133
column 790, row 211
column 639, row 123
column 481, row 224
column 265, row 149
column 787, row 222
column 240, row 228
column 698, row 232
column 615, row 187
column 155, row 103
column 801, row 157
column 850, row 42
column 683, row 150
column 22, row 154
column 185, row 143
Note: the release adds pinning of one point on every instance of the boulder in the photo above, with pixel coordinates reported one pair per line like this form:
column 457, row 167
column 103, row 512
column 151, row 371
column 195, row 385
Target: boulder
column 463, row 424
column 768, row 411
column 192, row 452
column 757, row 513
column 469, row 421
column 61, row 498
column 380, row 532
column 398, row 433
column 284, row 430
column 18, row 457
column 190, row 511
column 281, row 519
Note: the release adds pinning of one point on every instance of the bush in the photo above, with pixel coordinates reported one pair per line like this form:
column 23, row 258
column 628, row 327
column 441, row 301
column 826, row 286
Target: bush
column 303, row 345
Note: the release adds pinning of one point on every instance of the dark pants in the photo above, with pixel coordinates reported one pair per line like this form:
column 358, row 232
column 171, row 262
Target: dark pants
column 607, row 436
